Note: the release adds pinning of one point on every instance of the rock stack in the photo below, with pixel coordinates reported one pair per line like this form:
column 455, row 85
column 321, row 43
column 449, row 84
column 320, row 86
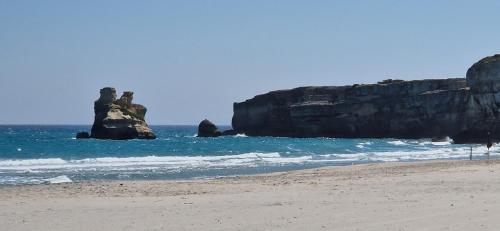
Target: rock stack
column 119, row 119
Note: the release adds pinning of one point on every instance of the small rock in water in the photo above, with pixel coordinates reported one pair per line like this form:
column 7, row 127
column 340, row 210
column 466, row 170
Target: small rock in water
column 208, row 129
column 82, row 135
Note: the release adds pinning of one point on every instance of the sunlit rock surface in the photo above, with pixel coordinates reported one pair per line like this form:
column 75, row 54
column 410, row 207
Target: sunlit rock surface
column 119, row 119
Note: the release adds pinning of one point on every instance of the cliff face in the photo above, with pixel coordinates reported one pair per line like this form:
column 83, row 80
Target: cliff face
column 119, row 119
column 464, row 109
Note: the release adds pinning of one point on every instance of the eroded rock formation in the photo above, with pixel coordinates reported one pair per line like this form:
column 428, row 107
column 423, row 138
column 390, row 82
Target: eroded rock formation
column 463, row 109
column 119, row 119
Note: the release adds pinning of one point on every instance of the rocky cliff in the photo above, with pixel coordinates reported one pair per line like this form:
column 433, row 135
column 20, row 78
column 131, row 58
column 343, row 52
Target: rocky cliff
column 119, row 119
column 463, row 109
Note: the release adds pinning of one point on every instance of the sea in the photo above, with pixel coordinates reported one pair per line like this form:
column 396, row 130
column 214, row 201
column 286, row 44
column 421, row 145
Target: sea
column 43, row 154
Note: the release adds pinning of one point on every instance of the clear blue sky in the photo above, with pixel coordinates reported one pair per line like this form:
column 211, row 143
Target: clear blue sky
column 190, row 60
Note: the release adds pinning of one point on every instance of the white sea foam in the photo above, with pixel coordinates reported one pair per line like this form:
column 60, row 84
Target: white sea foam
column 142, row 162
column 59, row 180
column 397, row 142
column 173, row 163
column 19, row 180
column 364, row 144
column 240, row 135
column 441, row 143
column 429, row 154
column 31, row 162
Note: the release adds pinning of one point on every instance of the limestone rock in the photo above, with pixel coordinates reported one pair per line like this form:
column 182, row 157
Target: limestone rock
column 463, row 109
column 119, row 119
column 208, row 129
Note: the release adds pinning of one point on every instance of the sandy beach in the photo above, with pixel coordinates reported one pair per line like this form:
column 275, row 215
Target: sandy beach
column 434, row 195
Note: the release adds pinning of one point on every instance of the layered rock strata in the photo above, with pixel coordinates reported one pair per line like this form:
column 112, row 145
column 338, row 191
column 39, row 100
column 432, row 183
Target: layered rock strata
column 463, row 109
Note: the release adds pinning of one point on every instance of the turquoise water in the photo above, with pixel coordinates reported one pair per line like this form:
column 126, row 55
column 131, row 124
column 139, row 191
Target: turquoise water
column 44, row 154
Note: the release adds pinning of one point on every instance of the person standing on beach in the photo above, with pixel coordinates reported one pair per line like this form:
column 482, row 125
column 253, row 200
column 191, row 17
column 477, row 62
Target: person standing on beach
column 488, row 145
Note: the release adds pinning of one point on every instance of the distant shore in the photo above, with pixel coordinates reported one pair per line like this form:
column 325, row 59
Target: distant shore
column 431, row 195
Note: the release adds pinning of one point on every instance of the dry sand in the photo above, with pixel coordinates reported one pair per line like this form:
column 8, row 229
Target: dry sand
column 435, row 195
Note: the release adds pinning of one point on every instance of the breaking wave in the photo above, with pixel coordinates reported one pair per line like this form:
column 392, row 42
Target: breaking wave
column 221, row 161
column 59, row 180
column 48, row 154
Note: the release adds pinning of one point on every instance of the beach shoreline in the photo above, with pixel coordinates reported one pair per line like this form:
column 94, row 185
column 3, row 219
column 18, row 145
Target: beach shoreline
column 427, row 195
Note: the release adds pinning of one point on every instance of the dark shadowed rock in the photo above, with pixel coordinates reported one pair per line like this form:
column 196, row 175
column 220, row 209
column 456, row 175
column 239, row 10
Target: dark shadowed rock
column 388, row 81
column 82, row 135
column 119, row 119
column 440, row 139
column 484, row 76
column 229, row 132
column 473, row 135
column 463, row 109
column 208, row 129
